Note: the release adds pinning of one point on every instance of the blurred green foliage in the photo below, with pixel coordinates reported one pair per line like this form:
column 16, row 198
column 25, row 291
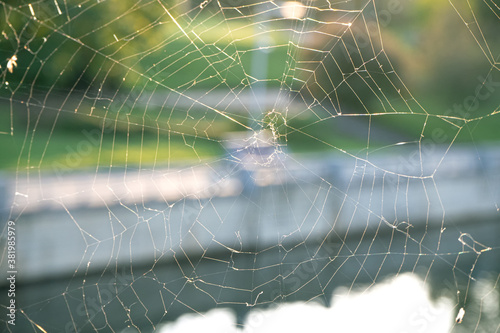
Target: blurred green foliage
column 435, row 63
column 433, row 51
column 116, row 44
column 86, row 64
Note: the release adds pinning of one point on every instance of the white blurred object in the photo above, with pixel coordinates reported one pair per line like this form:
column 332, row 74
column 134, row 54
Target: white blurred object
column 400, row 305
column 293, row 10
column 217, row 320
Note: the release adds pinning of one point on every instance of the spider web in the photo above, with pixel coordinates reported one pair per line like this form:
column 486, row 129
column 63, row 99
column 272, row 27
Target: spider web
column 172, row 157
